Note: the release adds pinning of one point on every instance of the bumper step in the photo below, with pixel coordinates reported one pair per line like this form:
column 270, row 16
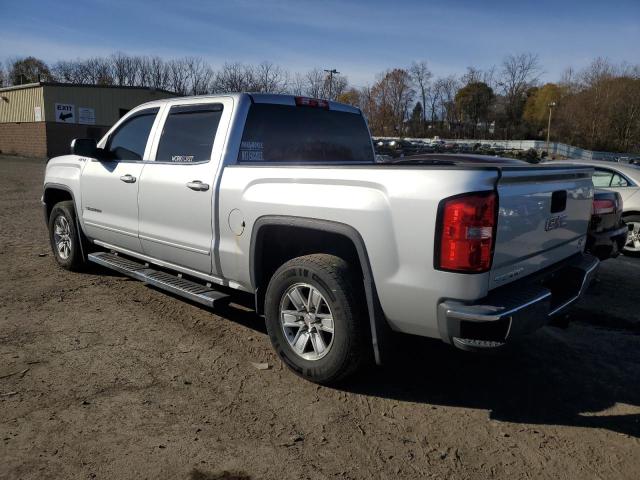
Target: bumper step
column 193, row 291
column 476, row 345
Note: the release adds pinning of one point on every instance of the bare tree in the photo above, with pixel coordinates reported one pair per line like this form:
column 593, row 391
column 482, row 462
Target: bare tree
column 472, row 75
column 334, row 86
column 269, row 78
column 448, row 87
column 233, row 77
column 519, row 73
column 490, row 77
column 96, row 71
column 198, row 75
column 568, row 77
column 159, row 73
column 298, row 84
column 392, row 94
column 421, row 76
column 478, row 75
column 315, row 83
column 67, row 72
column 178, row 78
column 433, row 99
column 119, row 68
column 599, row 70
column 127, row 70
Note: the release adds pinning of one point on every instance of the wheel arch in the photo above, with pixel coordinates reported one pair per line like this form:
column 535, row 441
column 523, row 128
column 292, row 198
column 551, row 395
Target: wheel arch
column 55, row 193
column 630, row 213
column 346, row 240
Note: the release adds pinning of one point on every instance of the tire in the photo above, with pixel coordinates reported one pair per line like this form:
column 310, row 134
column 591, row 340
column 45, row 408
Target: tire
column 632, row 247
column 338, row 322
column 64, row 237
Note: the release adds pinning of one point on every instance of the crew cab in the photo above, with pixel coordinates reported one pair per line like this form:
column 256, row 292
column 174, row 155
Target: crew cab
column 280, row 196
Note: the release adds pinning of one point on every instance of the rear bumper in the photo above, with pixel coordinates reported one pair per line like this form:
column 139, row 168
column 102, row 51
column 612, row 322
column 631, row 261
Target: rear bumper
column 516, row 309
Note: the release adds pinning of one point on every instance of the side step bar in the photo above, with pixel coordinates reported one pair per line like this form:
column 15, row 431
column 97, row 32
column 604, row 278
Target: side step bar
column 165, row 281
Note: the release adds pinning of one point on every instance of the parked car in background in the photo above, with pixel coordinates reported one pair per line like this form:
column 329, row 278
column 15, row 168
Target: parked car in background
column 624, row 179
column 608, row 233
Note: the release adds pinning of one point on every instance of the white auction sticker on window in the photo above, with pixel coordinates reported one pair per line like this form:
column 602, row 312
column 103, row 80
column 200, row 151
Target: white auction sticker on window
column 251, row 151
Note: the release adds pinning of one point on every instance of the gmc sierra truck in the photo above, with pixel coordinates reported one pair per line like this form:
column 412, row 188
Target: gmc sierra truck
column 280, row 196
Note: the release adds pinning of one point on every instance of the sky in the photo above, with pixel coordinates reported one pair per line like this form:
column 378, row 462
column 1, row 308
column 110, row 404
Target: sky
column 359, row 38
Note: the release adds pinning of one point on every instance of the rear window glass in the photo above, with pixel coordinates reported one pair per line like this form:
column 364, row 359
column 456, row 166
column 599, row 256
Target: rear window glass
column 188, row 133
column 282, row 133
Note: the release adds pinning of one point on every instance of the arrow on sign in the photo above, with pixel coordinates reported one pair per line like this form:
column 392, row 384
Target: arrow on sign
column 64, row 116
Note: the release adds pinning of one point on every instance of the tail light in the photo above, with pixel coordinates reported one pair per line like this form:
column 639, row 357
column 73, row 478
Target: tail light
column 312, row 102
column 602, row 207
column 467, row 224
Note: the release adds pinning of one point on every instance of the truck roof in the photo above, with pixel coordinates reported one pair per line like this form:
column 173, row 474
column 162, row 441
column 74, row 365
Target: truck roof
column 273, row 98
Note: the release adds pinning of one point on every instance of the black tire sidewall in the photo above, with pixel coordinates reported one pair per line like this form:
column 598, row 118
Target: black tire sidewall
column 331, row 366
column 74, row 261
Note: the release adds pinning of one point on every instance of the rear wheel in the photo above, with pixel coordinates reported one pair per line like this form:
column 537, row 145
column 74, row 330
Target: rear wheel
column 313, row 309
column 64, row 237
column 632, row 247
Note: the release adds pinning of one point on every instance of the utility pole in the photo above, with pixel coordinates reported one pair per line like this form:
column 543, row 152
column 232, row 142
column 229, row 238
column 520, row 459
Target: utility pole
column 551, row 105
column 331, row 73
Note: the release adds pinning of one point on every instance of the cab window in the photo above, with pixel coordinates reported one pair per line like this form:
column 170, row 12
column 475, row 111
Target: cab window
column 189, row 133
column 284, row 133
column 129, row 140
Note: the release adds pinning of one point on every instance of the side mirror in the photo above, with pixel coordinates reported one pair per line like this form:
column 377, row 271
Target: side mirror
column 85, row 147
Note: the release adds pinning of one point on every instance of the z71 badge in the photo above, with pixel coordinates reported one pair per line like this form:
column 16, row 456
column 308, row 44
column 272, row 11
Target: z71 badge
column 556, row 221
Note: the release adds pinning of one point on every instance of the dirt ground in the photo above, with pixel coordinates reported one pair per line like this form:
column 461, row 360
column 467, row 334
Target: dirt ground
column 103, row 377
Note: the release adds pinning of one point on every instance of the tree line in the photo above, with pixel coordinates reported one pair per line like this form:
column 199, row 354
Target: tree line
column 597, row 107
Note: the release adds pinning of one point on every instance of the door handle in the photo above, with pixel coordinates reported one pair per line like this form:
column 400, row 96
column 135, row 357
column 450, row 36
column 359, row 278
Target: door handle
column 198, row 186
column 128, row 178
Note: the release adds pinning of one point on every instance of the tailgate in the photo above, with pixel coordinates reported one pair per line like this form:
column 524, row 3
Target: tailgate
column 543, row 217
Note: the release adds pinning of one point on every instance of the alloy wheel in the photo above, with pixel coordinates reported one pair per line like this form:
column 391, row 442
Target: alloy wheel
column 307, row 321
column 62, row 236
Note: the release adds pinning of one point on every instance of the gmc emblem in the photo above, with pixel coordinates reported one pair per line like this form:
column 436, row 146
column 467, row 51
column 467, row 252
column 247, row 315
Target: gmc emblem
column 556, row 221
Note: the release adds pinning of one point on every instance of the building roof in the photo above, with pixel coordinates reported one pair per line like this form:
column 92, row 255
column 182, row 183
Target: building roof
column 82, row 85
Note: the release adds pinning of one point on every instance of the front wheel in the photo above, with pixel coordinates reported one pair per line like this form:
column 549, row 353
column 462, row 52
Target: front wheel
column 632, row 246
column 64, row 237
column 314, row 311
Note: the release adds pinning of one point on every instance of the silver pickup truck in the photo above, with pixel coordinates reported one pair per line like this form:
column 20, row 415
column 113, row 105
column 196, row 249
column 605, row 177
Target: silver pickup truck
column 280, row 196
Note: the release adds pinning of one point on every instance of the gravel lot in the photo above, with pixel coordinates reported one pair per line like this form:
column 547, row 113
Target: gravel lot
column 103, row 377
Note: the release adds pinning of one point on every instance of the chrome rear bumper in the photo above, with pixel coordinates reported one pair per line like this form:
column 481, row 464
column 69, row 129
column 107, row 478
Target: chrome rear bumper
column 517, row 308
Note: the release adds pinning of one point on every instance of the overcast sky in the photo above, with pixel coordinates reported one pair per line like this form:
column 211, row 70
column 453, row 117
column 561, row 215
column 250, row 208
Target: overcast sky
column 359, row 38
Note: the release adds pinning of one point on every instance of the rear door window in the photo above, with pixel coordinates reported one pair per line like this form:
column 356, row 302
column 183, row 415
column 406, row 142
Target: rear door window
column 189, row 133
column 129, row 140
column 283, row 133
